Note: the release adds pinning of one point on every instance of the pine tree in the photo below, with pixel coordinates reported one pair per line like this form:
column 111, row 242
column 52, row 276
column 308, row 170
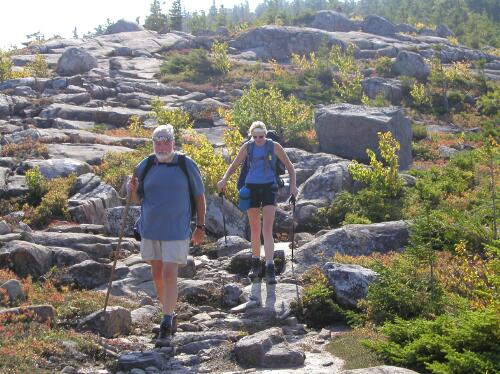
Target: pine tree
column 156, row 20
column 75, row 33
column 212, row 14
column 176, row 15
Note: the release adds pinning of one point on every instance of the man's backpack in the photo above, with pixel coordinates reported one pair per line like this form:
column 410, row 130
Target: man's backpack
column 278, row 166
column 181, row 163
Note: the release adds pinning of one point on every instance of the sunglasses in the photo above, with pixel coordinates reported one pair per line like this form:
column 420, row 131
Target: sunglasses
column 163, row 139
column 258, row 136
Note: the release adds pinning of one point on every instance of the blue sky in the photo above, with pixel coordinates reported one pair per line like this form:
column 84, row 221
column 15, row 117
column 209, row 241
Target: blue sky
column 21, row 17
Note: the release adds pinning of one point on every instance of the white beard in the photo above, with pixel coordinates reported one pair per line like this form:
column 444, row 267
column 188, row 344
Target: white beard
column 164, row 157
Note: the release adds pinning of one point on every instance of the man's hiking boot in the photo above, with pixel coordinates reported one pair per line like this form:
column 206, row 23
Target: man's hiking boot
column 167, row 330
column 254, row 273
column 270, row 274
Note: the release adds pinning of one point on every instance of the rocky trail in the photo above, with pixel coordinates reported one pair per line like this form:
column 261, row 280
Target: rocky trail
column 226, row 323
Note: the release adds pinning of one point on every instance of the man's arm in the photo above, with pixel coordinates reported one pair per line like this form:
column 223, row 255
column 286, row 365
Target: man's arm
column 200, row 209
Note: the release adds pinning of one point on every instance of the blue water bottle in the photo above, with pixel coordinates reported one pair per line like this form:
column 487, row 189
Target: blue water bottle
column 244, row 202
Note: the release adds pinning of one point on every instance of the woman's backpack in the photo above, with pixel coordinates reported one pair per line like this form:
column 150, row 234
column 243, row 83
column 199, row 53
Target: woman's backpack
column 277, row 166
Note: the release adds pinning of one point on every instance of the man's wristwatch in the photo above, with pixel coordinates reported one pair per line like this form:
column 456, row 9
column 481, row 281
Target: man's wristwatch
column 200, row 226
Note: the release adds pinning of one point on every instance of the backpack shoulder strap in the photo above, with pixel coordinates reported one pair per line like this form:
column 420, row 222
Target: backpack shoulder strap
column 250, row 147
column 149, row 164
column 181, row 161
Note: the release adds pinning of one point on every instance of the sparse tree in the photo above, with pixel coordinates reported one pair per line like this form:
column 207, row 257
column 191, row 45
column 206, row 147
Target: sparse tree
column 156, row 20
column 176, row 15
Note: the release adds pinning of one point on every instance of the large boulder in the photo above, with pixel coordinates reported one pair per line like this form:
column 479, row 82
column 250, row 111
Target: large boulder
column 230, row 245
column 90, row 274
column 354, row 240
column 39, row 313
column 279, row 42
column 75, row 61
column 116, row 321
column 332, row 21
column 444, row 31
column 113, row 219
column 266, row 349
column 378, row 25
column 390, row 89
column 61, row 167
column 337, row 125
column 217, row 210
column 91, row 199
column 11, row 292
column 25, row 258
column 350, row 282
column 6, row 105
column 123, row 26
column 411, row 64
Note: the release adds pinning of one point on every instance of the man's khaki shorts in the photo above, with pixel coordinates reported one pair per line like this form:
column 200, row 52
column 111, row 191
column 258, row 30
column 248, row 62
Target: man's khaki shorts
column 174, row 251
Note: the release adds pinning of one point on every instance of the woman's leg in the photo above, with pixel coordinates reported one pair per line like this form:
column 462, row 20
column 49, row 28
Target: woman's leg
column 269, row 212
column 254, row 220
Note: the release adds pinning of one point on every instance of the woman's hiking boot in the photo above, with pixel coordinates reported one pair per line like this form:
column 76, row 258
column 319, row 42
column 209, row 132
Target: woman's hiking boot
column 254, row 272
column 270, row 274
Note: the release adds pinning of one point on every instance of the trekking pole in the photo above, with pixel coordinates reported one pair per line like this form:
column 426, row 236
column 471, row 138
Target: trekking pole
column 292, row 201
column 117, row 250
column 221, row 194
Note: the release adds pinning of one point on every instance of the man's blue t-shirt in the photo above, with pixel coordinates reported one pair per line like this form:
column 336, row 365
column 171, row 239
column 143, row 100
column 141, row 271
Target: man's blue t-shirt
column 165, row 208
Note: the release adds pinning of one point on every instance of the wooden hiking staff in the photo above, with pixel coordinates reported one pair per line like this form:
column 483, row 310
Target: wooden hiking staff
column 118, row 247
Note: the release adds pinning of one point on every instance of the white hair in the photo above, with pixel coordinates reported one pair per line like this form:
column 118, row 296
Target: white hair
column 166, row 131
column 257, row 125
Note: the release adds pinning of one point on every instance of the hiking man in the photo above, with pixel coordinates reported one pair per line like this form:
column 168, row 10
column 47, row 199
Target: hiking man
column 262, row 181
column 171, row 185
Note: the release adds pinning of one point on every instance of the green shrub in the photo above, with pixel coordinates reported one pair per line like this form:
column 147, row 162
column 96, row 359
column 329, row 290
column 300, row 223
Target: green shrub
column 5, row 66
column 355, row 218
column 383, row 66
column 381, row 176
column 290, row 118
column 38, row 68
column 424, row 151
column 316, row 306
column 489, row 103
column 466, row 343
column 99, row 128
column 195, row 66
column 349, row 86
column 53, row 203
column 117, row 165
column 36, row 187
column 220, row 57
column 403, row 290
column 178, row 118
column 419, row 132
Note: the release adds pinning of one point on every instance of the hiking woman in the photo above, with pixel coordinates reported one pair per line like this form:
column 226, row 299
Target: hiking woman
column 262, row 181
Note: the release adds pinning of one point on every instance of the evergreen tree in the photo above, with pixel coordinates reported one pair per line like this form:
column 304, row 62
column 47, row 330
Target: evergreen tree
column 156, row 20
column 176, row 15
column 75, row 33
column 222, row 16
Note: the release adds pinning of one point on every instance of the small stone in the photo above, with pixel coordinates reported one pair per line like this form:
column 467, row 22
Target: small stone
column 328, row 363
column 147, row 300
column 290, row 321
column 68, row 370
column 137, row 371
column 325, row 334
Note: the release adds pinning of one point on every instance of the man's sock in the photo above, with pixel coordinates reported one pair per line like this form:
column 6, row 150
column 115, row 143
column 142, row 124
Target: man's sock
column 269, row 262
column 255, row 257
column 167, row 319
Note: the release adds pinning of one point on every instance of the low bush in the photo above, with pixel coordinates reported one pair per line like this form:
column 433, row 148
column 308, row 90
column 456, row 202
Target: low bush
column 195, row 66
column 316, row 307
column 22, row 151
column 465, row 343
column 54, row 195
column 291, row 119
